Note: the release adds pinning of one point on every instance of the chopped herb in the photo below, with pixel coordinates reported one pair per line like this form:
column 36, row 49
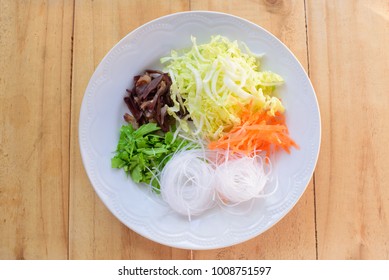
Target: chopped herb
column 144, row 151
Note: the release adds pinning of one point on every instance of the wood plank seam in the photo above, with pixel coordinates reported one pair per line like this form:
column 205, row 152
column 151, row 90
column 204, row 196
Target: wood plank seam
column 313, row 176
column 306, row 36
column 70, row 119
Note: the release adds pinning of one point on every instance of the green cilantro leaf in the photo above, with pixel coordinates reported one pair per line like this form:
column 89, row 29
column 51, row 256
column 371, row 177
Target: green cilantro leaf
column 140, row 152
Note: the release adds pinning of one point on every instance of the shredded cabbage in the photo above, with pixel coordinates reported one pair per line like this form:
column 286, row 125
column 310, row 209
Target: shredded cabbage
column 213, row 81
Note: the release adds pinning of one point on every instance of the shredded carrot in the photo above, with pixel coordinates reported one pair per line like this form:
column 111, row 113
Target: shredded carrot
column 258, row 131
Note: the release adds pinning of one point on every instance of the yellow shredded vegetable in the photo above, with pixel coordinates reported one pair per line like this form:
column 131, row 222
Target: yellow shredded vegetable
column 212, row 81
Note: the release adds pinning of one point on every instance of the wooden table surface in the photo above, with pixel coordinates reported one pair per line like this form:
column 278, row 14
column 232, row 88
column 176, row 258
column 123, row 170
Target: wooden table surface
column 50, row 49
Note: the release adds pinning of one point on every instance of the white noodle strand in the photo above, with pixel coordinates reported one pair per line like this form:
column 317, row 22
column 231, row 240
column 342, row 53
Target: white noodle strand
column 194, row 181
column 187, row 183
column 241, row 178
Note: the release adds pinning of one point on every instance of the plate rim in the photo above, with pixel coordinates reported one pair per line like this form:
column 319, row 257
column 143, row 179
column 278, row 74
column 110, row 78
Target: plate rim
column 98, row 71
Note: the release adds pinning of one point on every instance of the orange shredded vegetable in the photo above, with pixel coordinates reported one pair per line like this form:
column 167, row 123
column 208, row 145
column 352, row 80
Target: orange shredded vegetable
column 258, row 131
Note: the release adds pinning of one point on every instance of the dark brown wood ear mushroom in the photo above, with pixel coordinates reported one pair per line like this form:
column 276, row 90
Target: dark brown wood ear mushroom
column 148, row 99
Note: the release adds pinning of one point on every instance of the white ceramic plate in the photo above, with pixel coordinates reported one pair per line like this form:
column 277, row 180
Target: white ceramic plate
column 102, row 116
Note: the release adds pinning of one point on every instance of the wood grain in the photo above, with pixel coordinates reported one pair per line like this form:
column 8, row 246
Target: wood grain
column 35, row 54
column 94, row 232
column 48, row 208
column 294, row 236
column 348, row 43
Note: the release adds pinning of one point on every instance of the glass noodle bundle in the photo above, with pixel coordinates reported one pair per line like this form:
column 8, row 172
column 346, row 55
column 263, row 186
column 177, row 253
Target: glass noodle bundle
column 240, row 178
column 194, row 181
column 187, row 183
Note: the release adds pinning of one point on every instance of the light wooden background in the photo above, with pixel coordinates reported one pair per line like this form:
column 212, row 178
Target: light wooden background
column 48, row 52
